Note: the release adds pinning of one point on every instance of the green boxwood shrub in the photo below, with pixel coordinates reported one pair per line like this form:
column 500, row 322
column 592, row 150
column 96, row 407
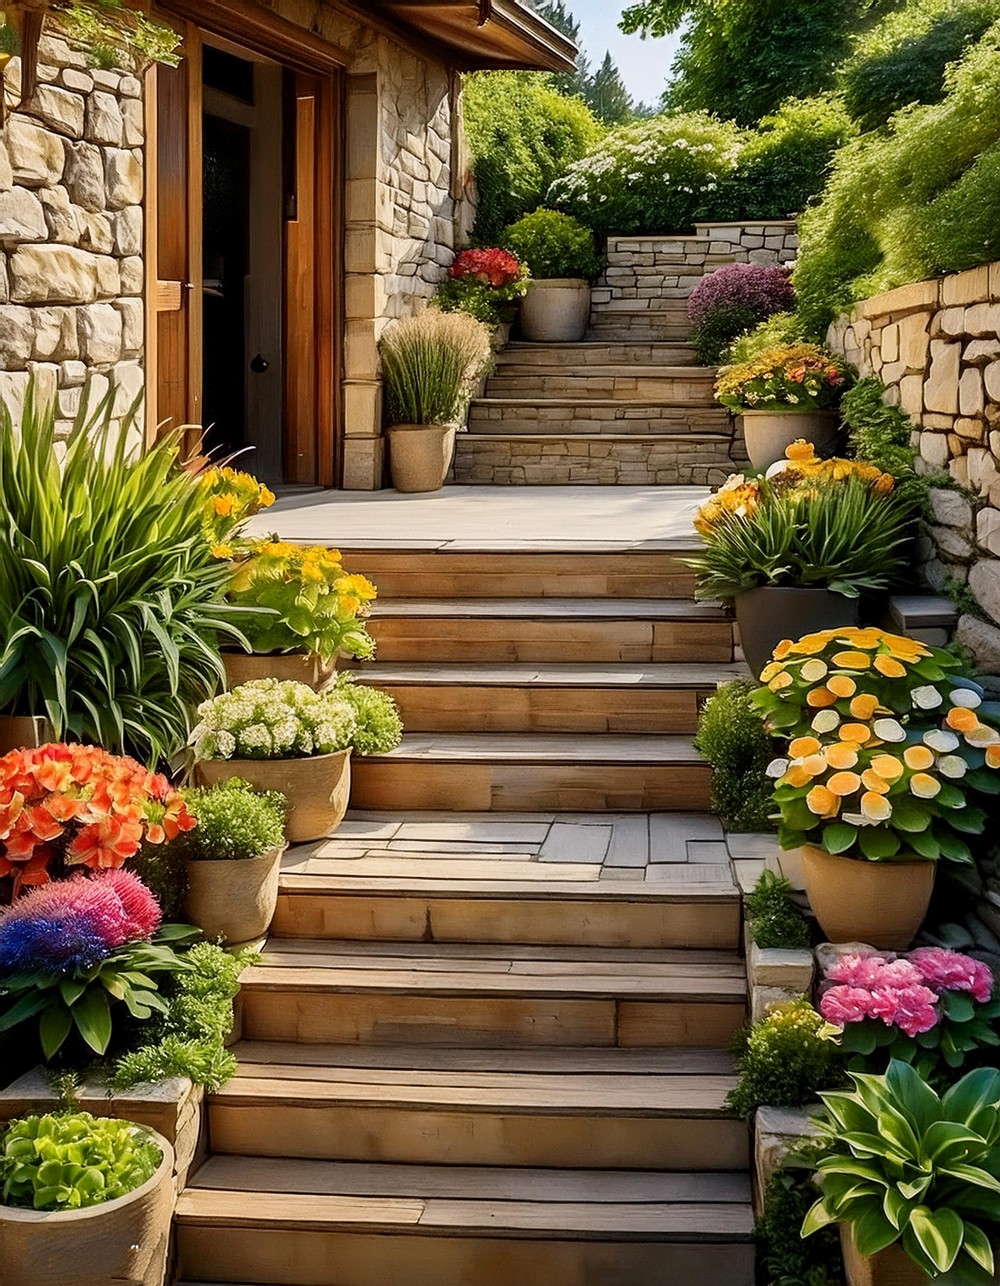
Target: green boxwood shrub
column 554, row 245
column 523, row 134
column 658, row 176
column 783, row 1061
column 235, row 822
column 775, row 920
column 732, row 738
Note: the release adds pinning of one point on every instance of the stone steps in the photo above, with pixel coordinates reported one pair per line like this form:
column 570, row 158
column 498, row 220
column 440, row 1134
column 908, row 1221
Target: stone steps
column 638, row 325
column 680, row 386
column 561, row 416
column 561, row 356
column 595, row 459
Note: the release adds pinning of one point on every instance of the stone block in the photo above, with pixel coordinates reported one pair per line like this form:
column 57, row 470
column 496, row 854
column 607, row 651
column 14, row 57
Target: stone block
column 84, row 176
column 970, row 392
column 96, row 233
column 128, row 229
column 16, row 337
column 22, row 217
column 133, row 324
column 55, row 334
column 934, row 449
column 941, row 385
column 100, row 332
column 363, row 463
column 133, row 123
column 988, row 530
column 950, row 321
column 980, row 351
column 81, row 82
column 54, row 274
column 914, row 341
column 991, row 377
column 982, row 640
column 778, row 1131
column 132, row 275
column 123, row 173
column 37, row 158
column 105, row 122
column 984, row 581
column 904, row 299
column 970, row 287
column 60, row 109
column 771, row 967
column 950, row 508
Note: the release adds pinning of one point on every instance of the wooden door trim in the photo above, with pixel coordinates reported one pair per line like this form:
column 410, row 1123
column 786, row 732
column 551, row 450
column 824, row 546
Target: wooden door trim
column 262, row 32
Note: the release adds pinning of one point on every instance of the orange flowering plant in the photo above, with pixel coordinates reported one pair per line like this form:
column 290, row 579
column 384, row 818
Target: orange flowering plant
column 72, row 806
column 231, row 497
column 787, row 377
column 889, row 748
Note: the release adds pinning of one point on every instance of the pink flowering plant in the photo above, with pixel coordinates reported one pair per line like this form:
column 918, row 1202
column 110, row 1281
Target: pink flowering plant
column 733, row 300
column 932, row 1007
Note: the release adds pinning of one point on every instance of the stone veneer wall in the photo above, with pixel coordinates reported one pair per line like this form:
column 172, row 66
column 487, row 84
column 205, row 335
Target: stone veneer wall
column 936, row 347
column 71, row 225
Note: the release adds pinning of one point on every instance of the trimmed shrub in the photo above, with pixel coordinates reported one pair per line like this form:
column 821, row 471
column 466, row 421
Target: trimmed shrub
column 903, row 60
column 655, row 177
column 732, row 737
column 554, row 245
column 775, row 920
column 732, row 300
column 784, row 1060
column 523, row 134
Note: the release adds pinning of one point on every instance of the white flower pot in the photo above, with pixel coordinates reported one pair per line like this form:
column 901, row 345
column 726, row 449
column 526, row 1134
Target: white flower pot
column 556, row 311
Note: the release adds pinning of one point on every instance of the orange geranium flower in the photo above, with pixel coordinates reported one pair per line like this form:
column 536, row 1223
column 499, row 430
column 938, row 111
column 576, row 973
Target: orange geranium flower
column 841, row 685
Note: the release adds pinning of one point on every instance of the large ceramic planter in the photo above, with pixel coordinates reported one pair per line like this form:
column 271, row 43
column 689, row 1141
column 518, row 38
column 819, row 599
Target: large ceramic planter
column 234, row 900
column 303, row 667
column 890, row 1267
column 318, row 788
column 556, row 311
column 18, row 732
column 787, row 862
column 770, row 613
column 122, row 1241
column 881, row 903
column 769, row 434
column 420, row 455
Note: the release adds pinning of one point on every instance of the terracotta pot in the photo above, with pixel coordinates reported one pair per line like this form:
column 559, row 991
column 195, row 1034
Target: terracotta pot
column 122, row 1241
column 303, row 667
column 882, row 903
column 318, row 788
column 769, row 434
column 420, row 455
column 787, row 862
column 556, row 311
column 770, row 613
column 18, row 732
column 232, row 899
column 890, row 1267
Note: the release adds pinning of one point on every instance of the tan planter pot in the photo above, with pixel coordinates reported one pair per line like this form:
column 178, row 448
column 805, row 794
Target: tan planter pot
column 769, row 434
column 234, row 900
column 556, row 311
column 303, row 667
column 318, row 788
column 420, row 455
column 19, row 732
column 881, row 903
column 122, row 1241
column 890, row 1267
column 787, row 862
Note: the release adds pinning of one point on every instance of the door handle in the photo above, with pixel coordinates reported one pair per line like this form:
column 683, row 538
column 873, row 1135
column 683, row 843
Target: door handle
column 259, row 364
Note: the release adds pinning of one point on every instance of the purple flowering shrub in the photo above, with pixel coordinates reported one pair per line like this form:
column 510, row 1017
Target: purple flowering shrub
column 933, row 1008
column 733, row 300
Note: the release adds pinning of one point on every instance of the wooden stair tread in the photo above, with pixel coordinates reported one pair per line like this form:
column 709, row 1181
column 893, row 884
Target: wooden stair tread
column 576, row 609
column 511, row 957
column 555, row 748
column 662, row 675
column 439, row 887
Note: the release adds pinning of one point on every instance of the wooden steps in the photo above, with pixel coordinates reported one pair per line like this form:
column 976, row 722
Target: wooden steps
column 306, row 1223
column 484, row 697
column 665, row 1111
column 314, row 993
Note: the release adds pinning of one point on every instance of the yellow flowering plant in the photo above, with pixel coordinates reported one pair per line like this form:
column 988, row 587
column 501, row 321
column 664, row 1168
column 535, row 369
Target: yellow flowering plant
column 787, row 377
column 311, row 603
column 889, row 747
column 231, row 497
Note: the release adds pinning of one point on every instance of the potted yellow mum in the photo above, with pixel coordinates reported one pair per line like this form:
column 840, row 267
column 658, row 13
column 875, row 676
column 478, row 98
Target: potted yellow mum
column 891, row 752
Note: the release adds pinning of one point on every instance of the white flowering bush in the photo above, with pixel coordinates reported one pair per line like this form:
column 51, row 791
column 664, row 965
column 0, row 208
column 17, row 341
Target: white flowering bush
column 658, row 176
column 273, row 719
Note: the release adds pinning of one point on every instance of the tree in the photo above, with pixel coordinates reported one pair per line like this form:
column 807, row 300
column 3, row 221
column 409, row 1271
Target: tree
column 556, row 13
column 607, row 96
column 740, row 59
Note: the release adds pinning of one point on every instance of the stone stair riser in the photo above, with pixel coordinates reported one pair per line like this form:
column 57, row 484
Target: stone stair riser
column 631, row 328
column 592, row 460
column 560, row 356
column 575, row 418
column 689, row 390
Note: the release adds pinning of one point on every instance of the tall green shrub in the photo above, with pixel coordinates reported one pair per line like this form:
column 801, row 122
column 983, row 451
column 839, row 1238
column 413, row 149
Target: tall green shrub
column 732, row 737
column 523, row 134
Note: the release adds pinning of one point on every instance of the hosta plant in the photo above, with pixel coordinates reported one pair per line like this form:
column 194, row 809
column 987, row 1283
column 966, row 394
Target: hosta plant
column 788, row 377
column 72, row 951
column 485, row 284
column 72, row 1160
column 903, row 1164
column 430, row 366
column 891, row 753
column 933, row 1008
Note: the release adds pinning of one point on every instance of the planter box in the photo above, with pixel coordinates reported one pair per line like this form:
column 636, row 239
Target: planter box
column 776, row 1132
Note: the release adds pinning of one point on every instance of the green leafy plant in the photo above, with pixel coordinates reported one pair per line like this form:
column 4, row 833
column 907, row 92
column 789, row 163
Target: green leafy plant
column 799, row 377
column 904, row 1165
column 69, row 1161
column 775, row 919
column 235, row 822
column 378, row 726
column 117, row 35
column 485, row 284
column 732, row 737
column 430, row 365
column 780, row 329
column 788, row 1260
column 784, row 1060
column 554, row 245
column 876, row 431
column 110, row 599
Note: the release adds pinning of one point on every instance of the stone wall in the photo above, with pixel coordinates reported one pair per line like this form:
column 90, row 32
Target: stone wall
column 71, row 225
column 936, row 347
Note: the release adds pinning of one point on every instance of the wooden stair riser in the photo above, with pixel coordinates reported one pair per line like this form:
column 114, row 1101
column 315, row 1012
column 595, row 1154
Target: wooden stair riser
column 377, row 1018
column 402, row 574
column 525, row 787
column 411, row 1136
column 306, row 1257
column 690, row 389
column 636, row 418
column 553, row 639
column 550, row 920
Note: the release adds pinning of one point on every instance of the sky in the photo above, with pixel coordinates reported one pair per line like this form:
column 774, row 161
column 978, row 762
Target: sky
column 644, row 64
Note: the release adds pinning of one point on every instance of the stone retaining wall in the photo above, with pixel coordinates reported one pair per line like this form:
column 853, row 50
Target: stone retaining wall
column 71, row 230
column 936, row 347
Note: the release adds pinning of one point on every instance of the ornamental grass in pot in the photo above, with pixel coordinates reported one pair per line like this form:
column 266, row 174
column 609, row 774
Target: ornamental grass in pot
column 234, row 858
column 795, row 550
column 563, row 260
column 785, row 393
column 892, row 753
column 430, row 365
column 279, row 735
column 84, row 1201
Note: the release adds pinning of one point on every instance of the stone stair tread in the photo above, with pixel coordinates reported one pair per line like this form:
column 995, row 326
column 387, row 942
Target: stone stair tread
column 622, row 403
column 636, row 609
column 558, row 748
column 569, row 675
column 511, row 370
column 441, row 886
column 584, row 345
column 573, row 435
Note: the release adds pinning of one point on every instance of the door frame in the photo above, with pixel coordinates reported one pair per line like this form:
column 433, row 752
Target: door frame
column 246, row 26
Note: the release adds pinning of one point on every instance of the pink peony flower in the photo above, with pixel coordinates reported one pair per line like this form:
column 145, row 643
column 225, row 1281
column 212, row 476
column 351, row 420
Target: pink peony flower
column 951, row 971
column 842, row 1004
column 912, row 1009
column 876, row 970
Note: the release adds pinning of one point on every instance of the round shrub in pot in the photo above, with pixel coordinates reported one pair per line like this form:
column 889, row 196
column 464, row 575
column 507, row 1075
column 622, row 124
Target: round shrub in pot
column 561, row 255
column 234, row 855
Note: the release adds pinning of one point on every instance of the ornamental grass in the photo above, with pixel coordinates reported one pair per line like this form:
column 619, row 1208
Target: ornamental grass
column 430, row 365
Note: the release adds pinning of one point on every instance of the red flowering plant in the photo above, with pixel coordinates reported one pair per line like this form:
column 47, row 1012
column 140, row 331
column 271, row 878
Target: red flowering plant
column 66, row 806
column 487, row 284
column 933, row 1008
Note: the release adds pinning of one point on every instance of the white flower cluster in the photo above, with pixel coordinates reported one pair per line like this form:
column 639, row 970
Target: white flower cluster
column 273, row 719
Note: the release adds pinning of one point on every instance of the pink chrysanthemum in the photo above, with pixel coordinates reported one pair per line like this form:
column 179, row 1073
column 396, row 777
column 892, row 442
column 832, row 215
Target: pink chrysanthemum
column 952, row 971
column 141, row 909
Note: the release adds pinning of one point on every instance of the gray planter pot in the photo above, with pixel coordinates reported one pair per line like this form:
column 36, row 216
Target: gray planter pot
column 774, row 612
column 556, row 311
column 769, row 434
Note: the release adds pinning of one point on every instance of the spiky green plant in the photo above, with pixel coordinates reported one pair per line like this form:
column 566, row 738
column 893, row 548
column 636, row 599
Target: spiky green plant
column 430, row 364
column 111, row 602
